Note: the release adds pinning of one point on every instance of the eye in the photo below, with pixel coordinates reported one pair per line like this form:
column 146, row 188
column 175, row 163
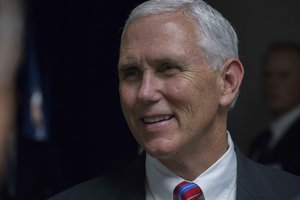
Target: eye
column 168, row 69
column 129, row 73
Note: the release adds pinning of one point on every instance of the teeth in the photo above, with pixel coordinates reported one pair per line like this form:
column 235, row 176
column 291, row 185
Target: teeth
column 156, row 119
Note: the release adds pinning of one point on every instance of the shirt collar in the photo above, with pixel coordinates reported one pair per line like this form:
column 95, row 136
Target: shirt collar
column 280, row 126
column 161, row 181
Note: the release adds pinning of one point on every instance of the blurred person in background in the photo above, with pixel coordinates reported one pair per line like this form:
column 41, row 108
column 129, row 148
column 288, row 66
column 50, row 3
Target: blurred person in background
column 279, row 144
column 28, row 162
column 11, row 32
column 37, row 167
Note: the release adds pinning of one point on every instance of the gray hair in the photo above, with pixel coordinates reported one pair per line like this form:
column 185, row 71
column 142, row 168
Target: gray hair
column 218, row 39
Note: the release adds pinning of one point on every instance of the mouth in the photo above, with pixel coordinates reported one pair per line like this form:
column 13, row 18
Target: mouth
column 156, row 119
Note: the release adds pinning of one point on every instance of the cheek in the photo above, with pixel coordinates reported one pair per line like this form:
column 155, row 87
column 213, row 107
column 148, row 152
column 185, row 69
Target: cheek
column 127, row 100
column 290, row 87
column 192, row 95
column 294, row 85
column 293, row 90
column 179, row 93
column 127, row 97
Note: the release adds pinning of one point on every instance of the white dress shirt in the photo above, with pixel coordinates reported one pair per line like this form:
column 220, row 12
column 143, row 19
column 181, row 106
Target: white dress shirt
column 218, row 182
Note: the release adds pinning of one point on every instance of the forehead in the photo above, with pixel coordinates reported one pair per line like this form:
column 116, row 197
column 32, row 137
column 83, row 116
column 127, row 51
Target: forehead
column 161, row 34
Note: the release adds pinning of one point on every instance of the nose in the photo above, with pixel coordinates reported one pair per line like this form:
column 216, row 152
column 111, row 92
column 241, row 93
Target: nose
column 149, row 90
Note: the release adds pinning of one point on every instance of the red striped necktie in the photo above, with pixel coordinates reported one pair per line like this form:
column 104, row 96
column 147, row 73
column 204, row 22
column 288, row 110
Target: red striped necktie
column 187, row 191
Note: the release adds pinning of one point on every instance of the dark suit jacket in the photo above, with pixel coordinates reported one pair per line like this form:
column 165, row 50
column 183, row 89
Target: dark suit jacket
column 254, row 182
column 286, row 152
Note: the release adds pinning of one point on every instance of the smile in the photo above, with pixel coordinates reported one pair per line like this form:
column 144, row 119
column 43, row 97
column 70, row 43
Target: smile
column 151, row 120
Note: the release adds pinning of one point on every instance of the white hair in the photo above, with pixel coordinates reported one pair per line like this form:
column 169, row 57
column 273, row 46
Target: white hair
column 218, row 39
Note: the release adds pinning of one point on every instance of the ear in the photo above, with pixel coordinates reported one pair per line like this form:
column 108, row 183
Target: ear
column 232, row 73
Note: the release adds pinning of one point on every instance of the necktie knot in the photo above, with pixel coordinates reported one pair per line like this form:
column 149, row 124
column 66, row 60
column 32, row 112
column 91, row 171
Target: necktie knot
column 187, row 191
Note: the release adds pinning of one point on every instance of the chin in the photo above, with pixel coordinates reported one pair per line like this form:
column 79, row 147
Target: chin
column 159, row 150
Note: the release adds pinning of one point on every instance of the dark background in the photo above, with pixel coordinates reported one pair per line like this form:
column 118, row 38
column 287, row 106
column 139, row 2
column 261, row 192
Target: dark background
column 77, row 45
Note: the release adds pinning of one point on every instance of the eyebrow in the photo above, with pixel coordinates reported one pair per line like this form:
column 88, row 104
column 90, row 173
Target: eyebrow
column 130, row 61
column 123, row 67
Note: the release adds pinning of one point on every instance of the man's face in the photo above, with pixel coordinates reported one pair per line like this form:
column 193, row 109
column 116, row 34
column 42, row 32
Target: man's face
column 281, row 81
column 169, row 96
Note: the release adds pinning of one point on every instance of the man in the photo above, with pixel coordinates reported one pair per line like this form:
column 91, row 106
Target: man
column 179, row 75
column 279, row 144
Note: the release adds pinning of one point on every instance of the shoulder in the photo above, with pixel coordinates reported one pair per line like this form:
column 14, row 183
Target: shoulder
column 255, row 178
column 123, row 183
column 279, row 177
